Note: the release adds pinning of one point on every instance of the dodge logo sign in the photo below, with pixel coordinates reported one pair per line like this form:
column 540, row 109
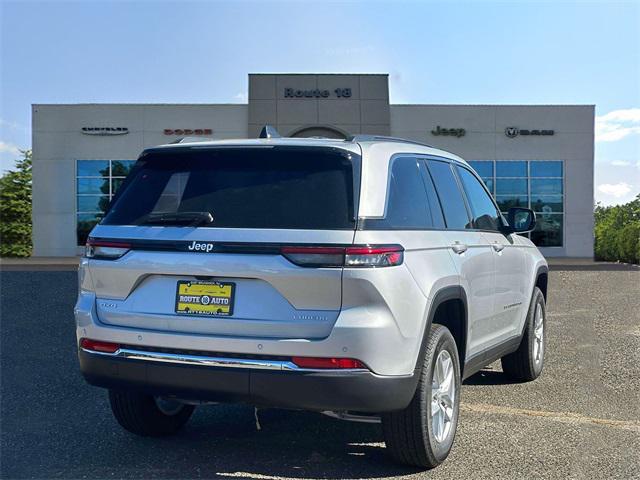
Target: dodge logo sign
column 513, row 132
column 188, row 131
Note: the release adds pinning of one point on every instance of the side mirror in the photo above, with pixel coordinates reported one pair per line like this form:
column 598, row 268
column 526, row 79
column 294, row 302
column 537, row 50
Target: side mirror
column 520, row 220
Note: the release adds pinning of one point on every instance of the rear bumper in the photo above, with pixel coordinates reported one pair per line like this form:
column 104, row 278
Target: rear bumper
column 368, row 333
column 357, row 390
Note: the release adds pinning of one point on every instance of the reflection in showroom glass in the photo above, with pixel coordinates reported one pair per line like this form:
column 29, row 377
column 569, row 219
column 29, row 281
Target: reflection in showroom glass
column 511, row 185
column 548, row 231
column 535, row 184
column 511, row 169
column 96, row 183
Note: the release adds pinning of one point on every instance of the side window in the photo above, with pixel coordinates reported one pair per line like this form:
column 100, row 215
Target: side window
column 451, row 199
column 407, row 203
column 485, row 214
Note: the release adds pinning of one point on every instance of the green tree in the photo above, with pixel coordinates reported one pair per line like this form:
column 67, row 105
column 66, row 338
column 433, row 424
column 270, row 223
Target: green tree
column 15, row 209
column 617, row 232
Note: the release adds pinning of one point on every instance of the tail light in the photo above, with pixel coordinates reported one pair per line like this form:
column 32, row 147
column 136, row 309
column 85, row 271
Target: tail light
column 328, row 363
column 99, row 346
column 105, row 250
column 371, row 256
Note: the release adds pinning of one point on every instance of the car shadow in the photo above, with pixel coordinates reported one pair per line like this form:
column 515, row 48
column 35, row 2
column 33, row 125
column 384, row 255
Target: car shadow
column 224, row 442
column 489, row 377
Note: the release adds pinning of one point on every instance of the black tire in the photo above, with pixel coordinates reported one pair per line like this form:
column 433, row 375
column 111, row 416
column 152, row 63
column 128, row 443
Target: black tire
column 409, row 433
column 139, row 413
column 526, row 363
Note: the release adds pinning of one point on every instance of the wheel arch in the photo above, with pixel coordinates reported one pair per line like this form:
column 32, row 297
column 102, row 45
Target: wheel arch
column 542, row 280
column 448, row 308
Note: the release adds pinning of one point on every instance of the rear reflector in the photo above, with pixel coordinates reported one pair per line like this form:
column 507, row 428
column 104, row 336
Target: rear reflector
column 314, row 256
column 328, row 363
column 356, row 256
column 106, row 250
column 99, row 346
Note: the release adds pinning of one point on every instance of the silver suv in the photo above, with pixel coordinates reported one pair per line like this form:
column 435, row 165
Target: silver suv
column 362, row 278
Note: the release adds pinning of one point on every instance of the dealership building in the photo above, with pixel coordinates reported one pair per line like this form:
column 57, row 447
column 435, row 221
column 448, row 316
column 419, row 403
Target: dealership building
column 537, row 156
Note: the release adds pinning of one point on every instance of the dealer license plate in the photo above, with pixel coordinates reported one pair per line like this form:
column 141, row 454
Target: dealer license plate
column 205, row 298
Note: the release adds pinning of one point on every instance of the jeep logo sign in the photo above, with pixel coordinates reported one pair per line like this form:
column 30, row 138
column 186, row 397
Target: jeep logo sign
column 513, row 132
column 201, row 247
column 454, row 132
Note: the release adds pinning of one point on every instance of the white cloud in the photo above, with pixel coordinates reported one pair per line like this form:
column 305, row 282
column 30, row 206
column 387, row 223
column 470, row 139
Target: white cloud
column 241, row 97
column 9, row 148
column 617, row 190
column 618, row 124
column 620, row 163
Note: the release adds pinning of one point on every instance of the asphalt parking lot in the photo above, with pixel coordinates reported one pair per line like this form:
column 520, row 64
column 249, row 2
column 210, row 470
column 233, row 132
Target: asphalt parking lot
column 581, row 419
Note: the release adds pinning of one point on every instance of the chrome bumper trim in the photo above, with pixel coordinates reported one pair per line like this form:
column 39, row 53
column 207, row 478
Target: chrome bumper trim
column 225, row 362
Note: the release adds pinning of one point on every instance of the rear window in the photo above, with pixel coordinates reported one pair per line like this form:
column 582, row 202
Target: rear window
column 263, row 187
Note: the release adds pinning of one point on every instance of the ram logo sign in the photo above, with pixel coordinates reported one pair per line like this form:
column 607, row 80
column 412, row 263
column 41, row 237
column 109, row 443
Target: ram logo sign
column 513, row 132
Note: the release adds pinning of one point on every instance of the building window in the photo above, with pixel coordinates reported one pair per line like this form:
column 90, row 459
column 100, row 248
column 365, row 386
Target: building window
column 96, row 183
column 538, row 185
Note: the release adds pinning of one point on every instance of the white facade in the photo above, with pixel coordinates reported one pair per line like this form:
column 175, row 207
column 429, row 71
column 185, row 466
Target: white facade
column 61, row 147
column 485, row 139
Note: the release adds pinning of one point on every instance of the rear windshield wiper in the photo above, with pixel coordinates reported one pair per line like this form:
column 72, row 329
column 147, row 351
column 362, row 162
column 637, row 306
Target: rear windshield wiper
column 185, row 219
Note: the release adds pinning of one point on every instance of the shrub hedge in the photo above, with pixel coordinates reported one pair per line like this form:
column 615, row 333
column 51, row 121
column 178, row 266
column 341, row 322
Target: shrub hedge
column 617, row 232
column 15, row 209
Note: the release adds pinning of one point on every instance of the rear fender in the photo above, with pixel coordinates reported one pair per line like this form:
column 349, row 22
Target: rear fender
column 452, row 292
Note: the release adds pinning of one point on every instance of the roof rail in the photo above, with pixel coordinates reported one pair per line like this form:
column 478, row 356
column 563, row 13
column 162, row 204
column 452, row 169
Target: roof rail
column 269, row 132
column 382, row 138
column 191, row 140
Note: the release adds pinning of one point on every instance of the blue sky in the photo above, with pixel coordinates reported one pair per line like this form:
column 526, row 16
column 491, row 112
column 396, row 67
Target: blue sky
column 446, row 52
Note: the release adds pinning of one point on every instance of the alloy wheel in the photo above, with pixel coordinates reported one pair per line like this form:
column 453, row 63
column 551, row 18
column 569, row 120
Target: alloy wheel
column 443, row 396
column 538, row 335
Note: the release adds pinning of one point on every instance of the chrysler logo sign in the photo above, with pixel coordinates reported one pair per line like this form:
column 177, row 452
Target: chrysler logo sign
column 513, row 132
column 105, row 130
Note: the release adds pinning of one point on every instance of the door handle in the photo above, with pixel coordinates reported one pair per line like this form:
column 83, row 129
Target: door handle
column 459, row 248
column 498, row 247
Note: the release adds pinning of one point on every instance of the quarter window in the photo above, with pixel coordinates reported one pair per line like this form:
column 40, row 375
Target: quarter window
column 96, row 183
column 485, row 215
column 408, row 206
column 451, row 199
